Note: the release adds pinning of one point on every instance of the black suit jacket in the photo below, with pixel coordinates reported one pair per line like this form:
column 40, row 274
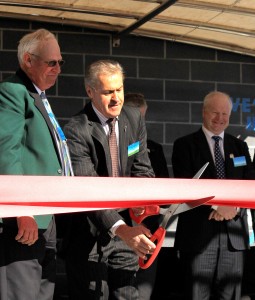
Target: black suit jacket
column 159, row 165
column 89, row 150
column 190, row 153
column 157, row 159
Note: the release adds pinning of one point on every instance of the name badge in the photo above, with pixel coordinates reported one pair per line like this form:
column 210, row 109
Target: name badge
column 133, row 148
column 239, row 161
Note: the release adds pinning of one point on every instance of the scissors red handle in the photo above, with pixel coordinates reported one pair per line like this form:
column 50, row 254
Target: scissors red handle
column 149, row 210
column 158, row 236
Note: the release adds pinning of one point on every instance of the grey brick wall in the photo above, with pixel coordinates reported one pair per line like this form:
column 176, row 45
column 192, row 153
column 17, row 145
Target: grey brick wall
column 174, row 77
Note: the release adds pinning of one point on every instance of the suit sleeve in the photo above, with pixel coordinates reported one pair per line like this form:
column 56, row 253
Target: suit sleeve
column 12, row 114
column 182, row 161
column 139, row 164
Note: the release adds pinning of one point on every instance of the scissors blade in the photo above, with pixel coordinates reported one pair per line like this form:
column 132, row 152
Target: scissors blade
column 173, row 208
column 201, row 171
column 191, row 204
column 160, row 233
column 194, row 203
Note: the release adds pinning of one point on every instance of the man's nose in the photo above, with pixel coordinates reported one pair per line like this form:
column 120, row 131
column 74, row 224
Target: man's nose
column 115, row 95
column 58, row 68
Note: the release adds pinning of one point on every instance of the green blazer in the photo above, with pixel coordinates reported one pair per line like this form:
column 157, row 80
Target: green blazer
column 28, row 144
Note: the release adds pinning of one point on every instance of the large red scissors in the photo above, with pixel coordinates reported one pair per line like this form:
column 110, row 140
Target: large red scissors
column 174, row 209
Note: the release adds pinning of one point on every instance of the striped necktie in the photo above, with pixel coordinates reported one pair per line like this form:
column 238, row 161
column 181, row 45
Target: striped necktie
column 219, row 161
column 67, row 165
column 113, row 148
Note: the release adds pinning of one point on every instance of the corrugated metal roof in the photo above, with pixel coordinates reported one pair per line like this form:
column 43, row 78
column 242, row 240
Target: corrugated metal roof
column 219, row 24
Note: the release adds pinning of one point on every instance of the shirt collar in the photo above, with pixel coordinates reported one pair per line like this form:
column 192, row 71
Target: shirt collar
column 38, row 90
column 101, row 117
column 210, row 134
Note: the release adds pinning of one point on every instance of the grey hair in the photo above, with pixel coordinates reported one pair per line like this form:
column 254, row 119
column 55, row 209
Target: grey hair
column 31, row 42
column 106, row 67
column 212, row 94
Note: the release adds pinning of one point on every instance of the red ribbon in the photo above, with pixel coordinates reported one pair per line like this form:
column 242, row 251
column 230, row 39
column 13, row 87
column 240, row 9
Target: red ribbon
column 34, row 195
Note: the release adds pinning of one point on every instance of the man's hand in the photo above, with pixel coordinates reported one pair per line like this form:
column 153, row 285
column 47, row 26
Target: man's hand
column 137, row 238
column 138, row 211
column 223, row 213
column 28, row 230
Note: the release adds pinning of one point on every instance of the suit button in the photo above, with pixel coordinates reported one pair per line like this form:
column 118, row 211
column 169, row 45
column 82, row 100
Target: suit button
column 59, row 171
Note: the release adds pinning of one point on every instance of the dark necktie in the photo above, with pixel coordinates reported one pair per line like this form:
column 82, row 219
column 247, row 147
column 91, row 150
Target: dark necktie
column 219, row 161
column 113, row 147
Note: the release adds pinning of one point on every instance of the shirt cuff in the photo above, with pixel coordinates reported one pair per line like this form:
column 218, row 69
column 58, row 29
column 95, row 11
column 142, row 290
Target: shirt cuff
column 114, row 227
column 215, row 208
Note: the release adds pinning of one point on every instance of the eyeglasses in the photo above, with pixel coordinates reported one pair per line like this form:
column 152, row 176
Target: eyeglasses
column 50, row 63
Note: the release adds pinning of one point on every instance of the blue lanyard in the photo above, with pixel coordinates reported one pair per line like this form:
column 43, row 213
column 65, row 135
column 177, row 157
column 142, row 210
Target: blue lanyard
column 53, row 120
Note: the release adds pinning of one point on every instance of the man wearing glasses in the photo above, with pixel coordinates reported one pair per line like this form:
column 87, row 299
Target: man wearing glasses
column 32, row 143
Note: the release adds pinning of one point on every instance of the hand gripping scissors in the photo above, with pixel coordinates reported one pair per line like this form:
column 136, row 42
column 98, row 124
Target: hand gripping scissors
column 168, row 213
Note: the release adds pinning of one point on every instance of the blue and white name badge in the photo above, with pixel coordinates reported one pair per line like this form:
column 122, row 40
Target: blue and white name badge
column 239, row 161
column 133, row 148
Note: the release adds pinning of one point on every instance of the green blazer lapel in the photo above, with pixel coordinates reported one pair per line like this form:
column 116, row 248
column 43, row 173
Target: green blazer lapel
column 40, row 106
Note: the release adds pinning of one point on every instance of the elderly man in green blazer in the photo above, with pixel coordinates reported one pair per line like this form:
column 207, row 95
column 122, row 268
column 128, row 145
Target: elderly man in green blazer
column 30, row 145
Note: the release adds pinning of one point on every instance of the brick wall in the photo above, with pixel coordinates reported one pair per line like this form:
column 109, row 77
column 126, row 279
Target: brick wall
column 174, row 77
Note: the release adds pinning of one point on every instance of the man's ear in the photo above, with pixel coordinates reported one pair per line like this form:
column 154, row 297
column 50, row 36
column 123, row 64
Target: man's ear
column 89, row 91
column 27, row 59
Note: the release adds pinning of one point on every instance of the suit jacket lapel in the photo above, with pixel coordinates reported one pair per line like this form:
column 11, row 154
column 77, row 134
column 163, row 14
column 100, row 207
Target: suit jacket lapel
column 96, row 127
column 98, row 133
column 202, row 144
column 123, row 141
column 39, row 104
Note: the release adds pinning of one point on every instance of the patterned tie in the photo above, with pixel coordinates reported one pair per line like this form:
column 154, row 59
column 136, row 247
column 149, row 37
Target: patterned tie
column 113, row 147
column 219, row 161
column 68, row 171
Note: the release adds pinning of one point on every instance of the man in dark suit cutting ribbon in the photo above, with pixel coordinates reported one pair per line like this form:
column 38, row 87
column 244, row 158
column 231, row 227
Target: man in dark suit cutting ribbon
column 103, row 247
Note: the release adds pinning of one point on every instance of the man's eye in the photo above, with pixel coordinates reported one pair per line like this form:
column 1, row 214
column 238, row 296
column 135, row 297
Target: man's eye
column 107, row 93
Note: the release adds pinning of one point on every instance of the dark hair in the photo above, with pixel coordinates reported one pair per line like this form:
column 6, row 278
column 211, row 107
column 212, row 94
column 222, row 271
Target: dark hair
column 135, row 99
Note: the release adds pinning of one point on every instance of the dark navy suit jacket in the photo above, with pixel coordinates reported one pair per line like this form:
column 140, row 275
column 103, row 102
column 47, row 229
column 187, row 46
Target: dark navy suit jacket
column 190, row 153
